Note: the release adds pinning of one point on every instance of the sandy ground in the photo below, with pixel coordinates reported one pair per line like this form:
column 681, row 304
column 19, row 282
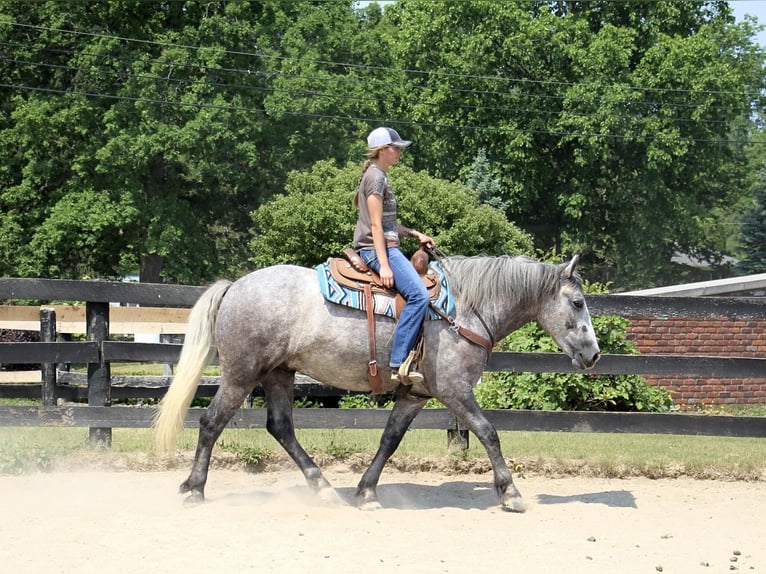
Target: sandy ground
column 118, row 522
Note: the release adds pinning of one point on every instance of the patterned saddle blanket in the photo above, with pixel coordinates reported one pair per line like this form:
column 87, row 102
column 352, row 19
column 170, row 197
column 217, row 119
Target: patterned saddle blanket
column 386, row 303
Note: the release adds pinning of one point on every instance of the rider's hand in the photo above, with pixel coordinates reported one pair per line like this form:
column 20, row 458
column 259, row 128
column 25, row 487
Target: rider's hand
column 426, row 241
column 386, row 275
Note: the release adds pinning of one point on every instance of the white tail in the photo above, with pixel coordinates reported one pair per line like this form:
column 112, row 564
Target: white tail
column 197, row 352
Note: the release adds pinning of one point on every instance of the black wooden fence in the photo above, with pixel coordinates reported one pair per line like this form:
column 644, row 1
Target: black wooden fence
column 98, row 352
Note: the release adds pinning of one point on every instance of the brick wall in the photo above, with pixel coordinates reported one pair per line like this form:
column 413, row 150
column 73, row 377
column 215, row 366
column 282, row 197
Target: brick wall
column 704, row 337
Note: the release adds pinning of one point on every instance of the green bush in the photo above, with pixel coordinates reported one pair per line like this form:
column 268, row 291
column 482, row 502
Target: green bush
column 564, row 391
column 365, row 402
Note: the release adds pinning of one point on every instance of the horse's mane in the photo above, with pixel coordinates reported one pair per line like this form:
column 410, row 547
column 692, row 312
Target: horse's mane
column 517, row 278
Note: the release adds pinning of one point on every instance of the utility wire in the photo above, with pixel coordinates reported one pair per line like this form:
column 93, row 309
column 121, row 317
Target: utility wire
column 125, row 77
column 344, row 95
column 271, row 112
column 355, row 80
column 350, row 65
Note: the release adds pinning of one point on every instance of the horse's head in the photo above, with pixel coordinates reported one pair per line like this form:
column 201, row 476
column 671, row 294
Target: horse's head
column 565, row 318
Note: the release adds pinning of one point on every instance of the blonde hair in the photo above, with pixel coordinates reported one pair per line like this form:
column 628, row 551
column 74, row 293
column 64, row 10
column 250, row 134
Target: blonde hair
column 372, row 155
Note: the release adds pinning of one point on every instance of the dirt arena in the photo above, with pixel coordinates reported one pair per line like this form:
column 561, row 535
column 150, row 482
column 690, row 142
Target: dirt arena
column 100, row 521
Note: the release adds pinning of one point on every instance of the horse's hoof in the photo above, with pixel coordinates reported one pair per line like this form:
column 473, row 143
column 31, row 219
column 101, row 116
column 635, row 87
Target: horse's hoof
column 370, row 505
column 329, row 496
column 367, row 499
column 194, row 499
column 514, row 504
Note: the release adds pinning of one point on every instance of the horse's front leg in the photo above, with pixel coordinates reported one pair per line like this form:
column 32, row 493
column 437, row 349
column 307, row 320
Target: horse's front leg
column 465, row 408
column 404, row 412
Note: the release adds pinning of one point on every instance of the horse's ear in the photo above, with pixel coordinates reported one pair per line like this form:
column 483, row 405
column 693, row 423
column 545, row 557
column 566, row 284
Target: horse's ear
column 569, row 269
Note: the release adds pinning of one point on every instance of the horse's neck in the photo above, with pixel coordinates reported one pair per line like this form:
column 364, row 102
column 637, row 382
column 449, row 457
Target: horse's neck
column 514, row 302
column 507, row 315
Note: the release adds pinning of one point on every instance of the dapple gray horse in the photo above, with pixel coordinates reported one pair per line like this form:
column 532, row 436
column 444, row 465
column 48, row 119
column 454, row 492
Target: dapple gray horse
column 274, row 322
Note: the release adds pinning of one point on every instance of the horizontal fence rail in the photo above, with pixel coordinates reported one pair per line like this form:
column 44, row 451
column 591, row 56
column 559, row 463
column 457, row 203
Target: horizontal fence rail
column 98, row 386
column 144, row 294
column 438, row 419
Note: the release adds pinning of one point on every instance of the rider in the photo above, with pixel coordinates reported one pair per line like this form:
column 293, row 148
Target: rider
column 376, row 238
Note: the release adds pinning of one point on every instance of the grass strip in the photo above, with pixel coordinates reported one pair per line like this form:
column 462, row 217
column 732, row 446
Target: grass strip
column 24, row 449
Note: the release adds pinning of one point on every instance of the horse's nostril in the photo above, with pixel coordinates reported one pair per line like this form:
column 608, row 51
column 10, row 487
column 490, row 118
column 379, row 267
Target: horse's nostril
column 596, row 358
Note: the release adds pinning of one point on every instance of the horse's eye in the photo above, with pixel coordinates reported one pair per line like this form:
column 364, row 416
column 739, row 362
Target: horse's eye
column 578, row 303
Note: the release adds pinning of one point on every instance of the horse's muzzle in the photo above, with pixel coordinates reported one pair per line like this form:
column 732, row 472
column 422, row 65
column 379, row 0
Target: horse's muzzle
column 585, row 362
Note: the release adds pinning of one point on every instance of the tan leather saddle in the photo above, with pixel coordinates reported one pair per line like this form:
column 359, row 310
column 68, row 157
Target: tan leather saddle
column 352, row 272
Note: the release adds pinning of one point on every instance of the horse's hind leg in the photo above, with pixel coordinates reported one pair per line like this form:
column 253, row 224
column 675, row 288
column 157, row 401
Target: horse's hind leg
column 404, row 412
column 226, row 402
column 278, row 390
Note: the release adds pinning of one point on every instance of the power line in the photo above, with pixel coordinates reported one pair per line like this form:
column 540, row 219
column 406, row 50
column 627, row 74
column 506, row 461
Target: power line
column 519, row 96
column 505, row 129
column 652, row 106
column 345, row 96
column 439, row 73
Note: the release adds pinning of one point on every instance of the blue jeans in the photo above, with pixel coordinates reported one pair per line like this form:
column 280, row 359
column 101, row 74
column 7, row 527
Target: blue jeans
column 408, row 283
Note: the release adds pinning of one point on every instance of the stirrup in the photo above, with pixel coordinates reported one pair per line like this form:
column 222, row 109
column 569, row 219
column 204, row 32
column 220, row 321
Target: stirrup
column 407, row 378
column 404, row 375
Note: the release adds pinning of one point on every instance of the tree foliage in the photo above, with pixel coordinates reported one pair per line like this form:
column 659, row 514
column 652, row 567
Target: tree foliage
column 612, row 122
column 753, row 233
column 314, row 218
column 161, row 119
column 612, row 129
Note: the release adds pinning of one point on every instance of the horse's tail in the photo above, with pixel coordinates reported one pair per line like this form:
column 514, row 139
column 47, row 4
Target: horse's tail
column 197, row 352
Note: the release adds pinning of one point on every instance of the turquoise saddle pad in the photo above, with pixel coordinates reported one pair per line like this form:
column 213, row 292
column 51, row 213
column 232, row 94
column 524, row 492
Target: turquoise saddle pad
column 382, row 304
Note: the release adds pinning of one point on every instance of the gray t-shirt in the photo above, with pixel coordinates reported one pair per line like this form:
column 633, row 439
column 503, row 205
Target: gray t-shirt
column 375, row 182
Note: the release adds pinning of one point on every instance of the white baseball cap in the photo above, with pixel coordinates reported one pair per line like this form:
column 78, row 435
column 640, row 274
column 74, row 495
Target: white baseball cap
column 385, row 136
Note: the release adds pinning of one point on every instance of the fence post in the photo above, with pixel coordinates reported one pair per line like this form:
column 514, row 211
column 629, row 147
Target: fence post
column 99, row 374
column 48, row 335
column 457, row 438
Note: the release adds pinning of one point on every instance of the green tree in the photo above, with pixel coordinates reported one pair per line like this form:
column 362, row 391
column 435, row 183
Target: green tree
column 136, row 135
column 158, row 127
column 334, row 69
column 483, row 180
column 569, row 391
column 753, row 233
column 616, row 124
column 315, row 219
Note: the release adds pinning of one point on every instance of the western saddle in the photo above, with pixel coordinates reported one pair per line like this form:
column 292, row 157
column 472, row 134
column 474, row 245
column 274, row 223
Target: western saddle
column 353, row 273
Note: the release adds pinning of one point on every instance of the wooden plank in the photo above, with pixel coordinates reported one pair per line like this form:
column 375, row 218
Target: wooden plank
column 120, row 351
column 704, row 307
column 21, row 377
column 144, row 294
column 155, row 386
column 161, row 295
column 69, row 318
column 504, row 420
column 66, row 352
column 34, row 391
column 99, row 372
column 122, row 320
column 148, row 320
column 703, row 366
column 639, row 423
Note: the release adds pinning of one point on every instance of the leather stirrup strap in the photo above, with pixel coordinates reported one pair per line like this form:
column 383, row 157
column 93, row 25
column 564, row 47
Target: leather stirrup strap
column 376, row 381
column 475, row 338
